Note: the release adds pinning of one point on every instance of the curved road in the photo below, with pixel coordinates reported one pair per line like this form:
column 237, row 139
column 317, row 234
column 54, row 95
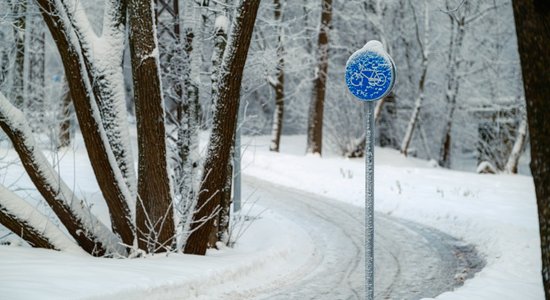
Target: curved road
column 411, row 261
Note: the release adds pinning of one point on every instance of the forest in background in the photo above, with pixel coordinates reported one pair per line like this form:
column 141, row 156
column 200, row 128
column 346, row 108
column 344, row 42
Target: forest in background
column 458, row 80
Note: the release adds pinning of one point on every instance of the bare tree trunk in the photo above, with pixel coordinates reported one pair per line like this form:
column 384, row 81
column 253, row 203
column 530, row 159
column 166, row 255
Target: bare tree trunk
column 90, row 234
column 457, row 38
column 188, row 132
column 533, row 30
column 115, row 191
column 513, row 160
column 32, row 226
column 19, row 10
column 223, row 131
column 220, row 225
column 4, row 64
column 64, row 137
column 225, row 204
column 420, row 98
column 220, row 42
column 316, row 109
column 35, row 81
column 279, row 84
column 154, row 210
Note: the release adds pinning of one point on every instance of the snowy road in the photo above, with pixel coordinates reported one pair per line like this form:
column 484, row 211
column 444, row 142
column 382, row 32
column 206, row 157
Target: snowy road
column 412, row 262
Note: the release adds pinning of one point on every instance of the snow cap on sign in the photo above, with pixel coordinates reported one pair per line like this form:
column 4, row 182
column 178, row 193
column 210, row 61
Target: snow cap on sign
column 370, row 72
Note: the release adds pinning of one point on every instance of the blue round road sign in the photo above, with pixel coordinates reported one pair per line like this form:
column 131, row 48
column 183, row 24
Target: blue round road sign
column 370, row 72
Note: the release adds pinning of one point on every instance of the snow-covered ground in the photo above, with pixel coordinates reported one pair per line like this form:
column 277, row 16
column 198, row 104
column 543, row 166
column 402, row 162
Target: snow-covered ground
column 495, row 213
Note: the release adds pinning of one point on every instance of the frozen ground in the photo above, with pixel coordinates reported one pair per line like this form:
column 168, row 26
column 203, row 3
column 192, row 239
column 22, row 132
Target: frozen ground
column 495, row 213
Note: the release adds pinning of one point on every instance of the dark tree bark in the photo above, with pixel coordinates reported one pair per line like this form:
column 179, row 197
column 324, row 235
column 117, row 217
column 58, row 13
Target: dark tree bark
column 4, row 63
column 54, row 192
column 316, row 108
column 19, row 226
column 220, row 226
column 114, row 192
column 225, row 120
column 279, row 84
column 533, row 31
column 154, row 210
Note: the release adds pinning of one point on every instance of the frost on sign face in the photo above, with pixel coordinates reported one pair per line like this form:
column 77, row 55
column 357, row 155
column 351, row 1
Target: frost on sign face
column 370, row 72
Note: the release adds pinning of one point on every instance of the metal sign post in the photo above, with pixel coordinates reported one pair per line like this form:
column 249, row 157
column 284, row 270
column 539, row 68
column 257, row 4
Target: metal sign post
column 370, row 75
column 237, row 163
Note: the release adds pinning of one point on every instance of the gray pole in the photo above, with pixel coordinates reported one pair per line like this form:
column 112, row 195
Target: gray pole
column 369, row 201
column 237, row 165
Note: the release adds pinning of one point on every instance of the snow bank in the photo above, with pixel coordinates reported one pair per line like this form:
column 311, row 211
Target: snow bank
column 497, row 213
column 263, row 253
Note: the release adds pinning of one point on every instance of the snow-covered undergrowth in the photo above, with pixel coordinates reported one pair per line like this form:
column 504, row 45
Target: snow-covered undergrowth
column 496, row 213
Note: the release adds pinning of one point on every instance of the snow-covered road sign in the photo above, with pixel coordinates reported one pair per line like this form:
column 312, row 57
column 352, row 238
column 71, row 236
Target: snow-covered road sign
column 370, row 72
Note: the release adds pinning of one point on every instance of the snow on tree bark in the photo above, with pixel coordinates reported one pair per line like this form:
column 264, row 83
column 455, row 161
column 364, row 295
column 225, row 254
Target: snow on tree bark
column 316, row 109
column 35, row 94
column 188, row 130
column 220, row 226
column 456, row 41
column 225, row 120
column 532, row 18
column 279, row 85
column 106, row 170
column 220, row 42
column 31, row 225
column 103, row 57
column 154, row 210
column 90, row 233
column 519, row 144
column 19, row 10
column 424, row 46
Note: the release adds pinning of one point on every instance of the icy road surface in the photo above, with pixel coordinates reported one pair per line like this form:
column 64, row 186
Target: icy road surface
column 411, row 261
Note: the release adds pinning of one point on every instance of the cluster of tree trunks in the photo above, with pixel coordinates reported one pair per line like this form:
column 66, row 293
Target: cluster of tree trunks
column 95, row 78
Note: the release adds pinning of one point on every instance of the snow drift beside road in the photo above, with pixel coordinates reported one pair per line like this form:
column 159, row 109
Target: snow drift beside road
column 497, row 213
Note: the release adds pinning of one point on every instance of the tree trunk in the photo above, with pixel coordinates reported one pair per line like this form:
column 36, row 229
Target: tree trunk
column 4, row 64
column 220, row 228
column 108, row 175
column 225, row 204
column 220, row 42
column 32, row 226
column 513, row 160
column 188, row 132
column 225, row 120
column 453, row 84
column 35, row 81
column 533, row 31
column 279, row 85
column 422, row 81
column 154, row 211
column 316, row 108
column 73, row 213
column 19, row 10
column 64, row 135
